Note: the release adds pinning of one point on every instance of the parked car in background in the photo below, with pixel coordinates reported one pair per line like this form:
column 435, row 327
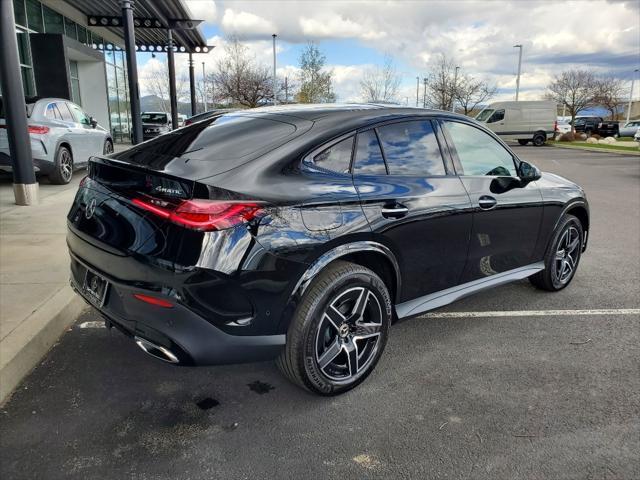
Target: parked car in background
column 181, row 119
column 522, row 121
column 154, row 124
column 636, row 137
column 208, row 114
column 562, row 127
column 302, row 232
column 62, row 135
column 630, row 129
column 587, row 125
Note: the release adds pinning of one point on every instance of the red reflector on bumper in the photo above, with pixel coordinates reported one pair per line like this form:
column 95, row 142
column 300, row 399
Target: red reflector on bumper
column 153, row 300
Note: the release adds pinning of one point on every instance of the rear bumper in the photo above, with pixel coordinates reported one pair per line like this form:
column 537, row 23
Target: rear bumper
column 41, row 166
column 191, row 338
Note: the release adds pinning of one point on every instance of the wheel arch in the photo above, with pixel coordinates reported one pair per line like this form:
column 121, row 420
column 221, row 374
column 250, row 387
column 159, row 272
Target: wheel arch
column 66, row 144
column 373, row 255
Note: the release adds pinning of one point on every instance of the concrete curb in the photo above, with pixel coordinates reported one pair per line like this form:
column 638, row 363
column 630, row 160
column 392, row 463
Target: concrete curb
column 25, row 347
column 600, row 150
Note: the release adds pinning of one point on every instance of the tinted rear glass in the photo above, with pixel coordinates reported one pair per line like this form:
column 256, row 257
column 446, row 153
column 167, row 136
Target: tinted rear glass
column 411, row 148
column 154, row 118
column 223, row 142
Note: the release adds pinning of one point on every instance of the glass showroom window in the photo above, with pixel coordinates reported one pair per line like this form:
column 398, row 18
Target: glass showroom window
column 75, row 82
column 26, row 66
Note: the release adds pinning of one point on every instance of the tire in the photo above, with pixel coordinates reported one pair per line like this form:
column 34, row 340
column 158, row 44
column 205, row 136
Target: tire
column 108, row 147
column 539, row 139
column 523, row 142
column 63, row 167
column 566, row 242
column 321, row 353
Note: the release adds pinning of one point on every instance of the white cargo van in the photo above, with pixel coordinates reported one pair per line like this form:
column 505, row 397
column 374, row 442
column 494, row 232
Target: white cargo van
column 522, row 121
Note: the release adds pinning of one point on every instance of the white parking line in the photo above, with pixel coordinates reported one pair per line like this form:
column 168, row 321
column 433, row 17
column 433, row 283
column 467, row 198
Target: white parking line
column 533, row 313
column 496, row 313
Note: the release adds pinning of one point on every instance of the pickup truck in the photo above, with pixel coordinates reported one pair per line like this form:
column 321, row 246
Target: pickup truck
column 602, row 127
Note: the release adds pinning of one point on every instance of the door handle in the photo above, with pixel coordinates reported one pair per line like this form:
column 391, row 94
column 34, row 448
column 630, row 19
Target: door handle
column 394, row 211
column 486, row 202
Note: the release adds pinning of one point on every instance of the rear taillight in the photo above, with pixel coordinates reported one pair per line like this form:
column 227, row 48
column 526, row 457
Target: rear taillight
column 38, row 129
column 159, row 302
column 203, row 215
column 187, row 122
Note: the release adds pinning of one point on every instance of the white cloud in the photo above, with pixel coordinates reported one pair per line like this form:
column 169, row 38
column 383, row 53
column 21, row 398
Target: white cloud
column 335, row 26
column 244, row 22
column 203, row 10
column 478, row 35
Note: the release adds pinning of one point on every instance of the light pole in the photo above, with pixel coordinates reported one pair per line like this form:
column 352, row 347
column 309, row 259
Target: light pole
column 275, row 86
column 417, row 90
column 204, row 88
column 453, row 92
column 631, row 95
column 519, row 68
column 424, row 93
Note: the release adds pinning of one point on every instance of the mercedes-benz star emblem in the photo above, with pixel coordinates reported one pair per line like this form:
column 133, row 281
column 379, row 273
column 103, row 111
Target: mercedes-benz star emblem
column 91, row 209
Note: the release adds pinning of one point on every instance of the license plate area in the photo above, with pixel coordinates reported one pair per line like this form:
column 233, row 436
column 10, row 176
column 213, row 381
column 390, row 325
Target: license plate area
column 95, row 288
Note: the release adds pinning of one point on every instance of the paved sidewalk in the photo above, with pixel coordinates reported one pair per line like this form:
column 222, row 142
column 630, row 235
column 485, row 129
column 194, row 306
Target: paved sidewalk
column 36, row 302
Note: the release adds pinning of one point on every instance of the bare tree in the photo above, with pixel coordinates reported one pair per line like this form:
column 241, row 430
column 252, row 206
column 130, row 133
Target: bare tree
column 441, row 83
column 239, row 78
column 315, row 83
column 471, row 93
column 157, row 84
column 576, row 89
column 381, row 84
column 610, row 93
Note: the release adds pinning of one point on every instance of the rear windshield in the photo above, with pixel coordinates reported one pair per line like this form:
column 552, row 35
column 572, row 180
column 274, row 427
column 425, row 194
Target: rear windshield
column 223, row 142
column 160, row 118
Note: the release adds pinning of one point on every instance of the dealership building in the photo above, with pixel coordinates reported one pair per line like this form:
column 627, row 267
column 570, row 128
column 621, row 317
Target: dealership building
column 75, row 49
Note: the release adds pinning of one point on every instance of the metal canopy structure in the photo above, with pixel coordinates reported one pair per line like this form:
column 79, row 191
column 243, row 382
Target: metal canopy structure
column 152, row 26
column 151, row 20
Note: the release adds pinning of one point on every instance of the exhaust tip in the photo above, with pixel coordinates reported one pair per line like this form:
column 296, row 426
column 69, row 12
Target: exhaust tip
column 157, row 351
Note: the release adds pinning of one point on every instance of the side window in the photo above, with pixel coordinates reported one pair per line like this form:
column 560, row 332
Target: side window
column 65, row 112
column 479, row 153
column 497, row 116
column 336, row 158
column 411, row 148
column 52, row 112
column 368, row 160
column 79, row 115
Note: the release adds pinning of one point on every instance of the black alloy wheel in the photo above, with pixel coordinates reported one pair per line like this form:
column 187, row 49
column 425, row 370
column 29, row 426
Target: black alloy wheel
column 562, row 257
column 339, row 330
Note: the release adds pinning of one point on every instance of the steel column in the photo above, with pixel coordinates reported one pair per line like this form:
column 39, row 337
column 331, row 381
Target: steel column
column 192, row 85
column 25, row 187
column 172, row 80
column 132, row 70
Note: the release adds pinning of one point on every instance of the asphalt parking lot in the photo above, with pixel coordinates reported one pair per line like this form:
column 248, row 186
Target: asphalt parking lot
column 528, row 395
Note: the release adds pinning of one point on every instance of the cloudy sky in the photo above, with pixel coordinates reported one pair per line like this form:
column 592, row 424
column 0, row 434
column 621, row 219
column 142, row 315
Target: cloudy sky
column 478, row 35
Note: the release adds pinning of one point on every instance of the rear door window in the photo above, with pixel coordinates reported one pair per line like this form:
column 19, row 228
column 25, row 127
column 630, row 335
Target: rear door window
column 336, row 158
column 65, row 112
column 368, row 159
column 52, row 112
column 411, row 148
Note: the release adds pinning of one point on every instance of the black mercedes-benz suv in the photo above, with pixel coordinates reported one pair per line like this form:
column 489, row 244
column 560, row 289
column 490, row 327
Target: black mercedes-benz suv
column 303, row 233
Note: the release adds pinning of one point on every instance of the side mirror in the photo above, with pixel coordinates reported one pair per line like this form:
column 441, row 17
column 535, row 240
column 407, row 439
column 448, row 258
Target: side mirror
column 528, row 173
column 93, row 122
